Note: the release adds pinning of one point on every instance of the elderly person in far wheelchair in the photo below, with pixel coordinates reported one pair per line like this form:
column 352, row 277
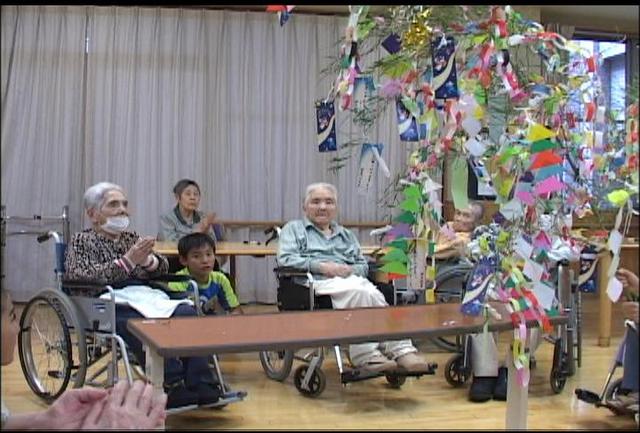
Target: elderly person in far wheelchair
column 489, row 379
column 331, row 253
column 107, row 253
column 627, row 397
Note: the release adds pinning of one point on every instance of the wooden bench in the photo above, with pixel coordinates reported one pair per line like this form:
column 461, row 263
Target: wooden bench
column 201, row 336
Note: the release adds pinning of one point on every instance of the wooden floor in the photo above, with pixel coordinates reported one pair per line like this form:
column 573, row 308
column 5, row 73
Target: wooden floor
column 425, row 403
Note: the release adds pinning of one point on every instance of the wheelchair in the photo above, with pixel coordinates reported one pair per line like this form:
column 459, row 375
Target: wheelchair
column 611, row 389
column 68, row 337
column 567, row 341
column 308, row 378
column 450, row 283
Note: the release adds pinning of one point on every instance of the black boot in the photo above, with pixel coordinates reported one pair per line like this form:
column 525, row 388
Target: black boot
column 179, row 396
column 500, row 391
column 482, row 389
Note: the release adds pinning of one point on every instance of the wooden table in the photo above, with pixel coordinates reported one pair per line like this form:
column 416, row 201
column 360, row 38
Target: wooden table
column 628, row 257
column 233, row 249
column 250, row 333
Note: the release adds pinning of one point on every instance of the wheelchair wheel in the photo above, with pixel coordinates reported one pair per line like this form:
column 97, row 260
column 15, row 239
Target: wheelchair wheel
column 558, row 376
column 455, row 371
column 44, row 348
column 611, row 393
column 395, row 381
column 49, row 332
column 316, row 385
column 557, row 380
column 277, row 363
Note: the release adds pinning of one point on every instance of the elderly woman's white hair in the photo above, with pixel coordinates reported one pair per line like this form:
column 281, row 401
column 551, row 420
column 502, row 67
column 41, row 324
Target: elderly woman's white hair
column 318, row 185
column 94, row 196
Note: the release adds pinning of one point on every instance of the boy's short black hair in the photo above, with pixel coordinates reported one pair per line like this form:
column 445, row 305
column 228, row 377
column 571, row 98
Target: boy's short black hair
column 193, row 241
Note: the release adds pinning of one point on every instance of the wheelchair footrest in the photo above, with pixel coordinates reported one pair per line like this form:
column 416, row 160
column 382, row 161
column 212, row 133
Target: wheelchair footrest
column 356, row 375
column 430, row 370
column 226, row 398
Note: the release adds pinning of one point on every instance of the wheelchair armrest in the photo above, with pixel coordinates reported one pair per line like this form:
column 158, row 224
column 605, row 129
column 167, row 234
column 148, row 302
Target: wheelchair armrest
column 91, row 288
column 289, row 271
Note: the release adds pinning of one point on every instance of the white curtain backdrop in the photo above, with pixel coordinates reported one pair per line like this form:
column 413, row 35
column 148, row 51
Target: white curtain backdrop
column 146, row 96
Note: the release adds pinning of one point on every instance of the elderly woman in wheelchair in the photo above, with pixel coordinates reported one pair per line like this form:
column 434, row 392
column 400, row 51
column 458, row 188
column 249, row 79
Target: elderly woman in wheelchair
column 109, row 254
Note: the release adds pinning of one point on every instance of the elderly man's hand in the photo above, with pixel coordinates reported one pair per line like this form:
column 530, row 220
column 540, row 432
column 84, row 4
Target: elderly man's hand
column 331, row 269
column 138, row 406
column 629, row 280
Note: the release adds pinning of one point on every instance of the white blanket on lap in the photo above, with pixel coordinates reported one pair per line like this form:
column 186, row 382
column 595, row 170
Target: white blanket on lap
column 350, row 292
column 151, row 303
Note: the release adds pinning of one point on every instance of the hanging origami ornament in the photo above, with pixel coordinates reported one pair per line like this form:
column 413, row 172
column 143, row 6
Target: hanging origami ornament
column 326, row 126
column 392, row 43
column 419, row 32
column 283, row 12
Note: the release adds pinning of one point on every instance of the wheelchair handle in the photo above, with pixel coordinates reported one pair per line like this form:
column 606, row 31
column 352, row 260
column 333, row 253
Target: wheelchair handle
column 50, row 234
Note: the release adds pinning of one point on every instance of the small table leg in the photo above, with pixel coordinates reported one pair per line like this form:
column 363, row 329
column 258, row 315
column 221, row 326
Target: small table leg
column 154, row 368
column 232, row 269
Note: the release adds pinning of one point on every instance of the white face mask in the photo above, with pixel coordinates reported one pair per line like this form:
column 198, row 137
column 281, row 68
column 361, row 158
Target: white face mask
column 115, row 225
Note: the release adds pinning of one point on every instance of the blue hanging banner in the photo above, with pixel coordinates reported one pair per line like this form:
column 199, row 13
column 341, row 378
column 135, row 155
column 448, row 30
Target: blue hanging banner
column 587, row 280
column 408, row 125
column 326, row 126
column 445, row 78
column 477, row 285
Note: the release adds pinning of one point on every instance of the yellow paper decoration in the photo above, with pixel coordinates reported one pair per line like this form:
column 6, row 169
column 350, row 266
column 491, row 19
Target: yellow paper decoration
column 618, row 197
column 430, row 296
column 538, row 132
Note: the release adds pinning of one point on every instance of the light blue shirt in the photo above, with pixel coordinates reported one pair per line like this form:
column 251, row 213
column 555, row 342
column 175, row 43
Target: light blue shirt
column 303, row 246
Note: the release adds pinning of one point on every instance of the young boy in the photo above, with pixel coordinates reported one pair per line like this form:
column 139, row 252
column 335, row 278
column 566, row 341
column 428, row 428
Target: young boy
column 197, row 254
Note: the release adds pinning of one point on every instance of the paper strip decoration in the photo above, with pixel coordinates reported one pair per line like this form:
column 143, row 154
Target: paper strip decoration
column 445, row 79
column 459, row 183
column 326, row 128
column 417, row 266
column 366, row 166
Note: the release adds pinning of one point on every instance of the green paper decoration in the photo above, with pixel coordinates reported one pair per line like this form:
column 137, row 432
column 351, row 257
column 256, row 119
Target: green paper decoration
column 406, row 217
column 395, row 268
column 410, row 205
column 400, row 243
column 539, row 146
column 395, row 255
column 412, row 191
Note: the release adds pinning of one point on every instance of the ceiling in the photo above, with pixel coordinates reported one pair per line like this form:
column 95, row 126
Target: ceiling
column 610, row 18
column 614, row 18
